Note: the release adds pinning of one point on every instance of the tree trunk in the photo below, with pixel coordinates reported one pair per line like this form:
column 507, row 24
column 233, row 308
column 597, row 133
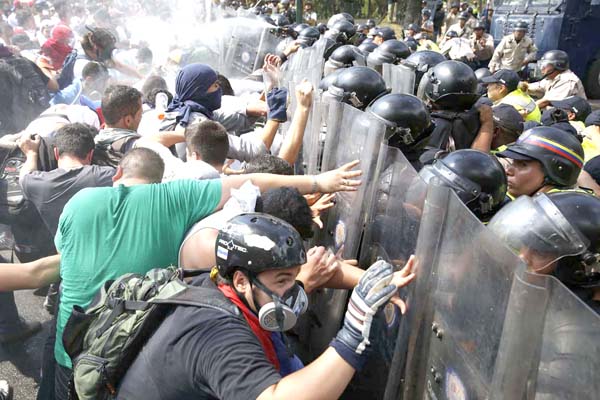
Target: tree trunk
column 413, row 12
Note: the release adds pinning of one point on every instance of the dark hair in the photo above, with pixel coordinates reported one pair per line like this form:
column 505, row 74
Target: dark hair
column 75, row 139
column 94, row 70
column 225, row 85
column 144, row 55
column 209, row 140
column 153, row 82
column 100, row 37
column 269, row 164
column 120, row 101
column 142, row 163
column 288, row 204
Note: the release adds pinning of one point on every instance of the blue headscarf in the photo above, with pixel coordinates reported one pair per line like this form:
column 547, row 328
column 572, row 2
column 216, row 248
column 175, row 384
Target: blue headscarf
column 190, row 93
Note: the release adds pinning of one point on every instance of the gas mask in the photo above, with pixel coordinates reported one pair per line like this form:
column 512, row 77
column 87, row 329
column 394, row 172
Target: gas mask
column 282, row 313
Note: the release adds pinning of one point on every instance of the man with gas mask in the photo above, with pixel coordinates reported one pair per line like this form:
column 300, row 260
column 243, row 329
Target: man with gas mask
column 558, row 82
column 239, row 350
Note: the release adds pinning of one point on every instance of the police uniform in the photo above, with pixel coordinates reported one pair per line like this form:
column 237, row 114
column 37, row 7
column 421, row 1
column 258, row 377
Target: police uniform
column 461, row 32
column 521, row 101
column 565, row 84
column 451, row 19
column 511, row 55
column 483, row 52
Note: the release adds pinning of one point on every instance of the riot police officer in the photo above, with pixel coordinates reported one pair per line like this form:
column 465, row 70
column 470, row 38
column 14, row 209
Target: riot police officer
column 389, row 52
column 358, row 86
column 343, row 57
column 477, row 178
column 514, row 51
column 408, row 124
column 544, row 160
column 559, row 81
column 422, row 61
column 451, row 90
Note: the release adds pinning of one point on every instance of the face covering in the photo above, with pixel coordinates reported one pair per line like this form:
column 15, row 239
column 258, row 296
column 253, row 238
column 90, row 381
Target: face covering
column 212, row 101
column 282, row 313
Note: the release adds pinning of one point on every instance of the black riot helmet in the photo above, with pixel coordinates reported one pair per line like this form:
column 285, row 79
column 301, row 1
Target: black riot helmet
column 389, row 52
column 521, row 26
column 367, row 47
column 266, row 19
column 330, row 46
column 308, row 36
column 422, row 61
column 557, row 58
column 329, row 79
column 371, row 23
column 339, row 17
column 280, row 20
column 357, row 86
column 582, row 211
column 478, row 179
column 343, row 57
column 321, row 27
column 480, row 74
column 345, row 28
column 407, row 120
column 256, row 242
column 559, row 152
column 386, row 33
column 300, row 27
column 451, row 85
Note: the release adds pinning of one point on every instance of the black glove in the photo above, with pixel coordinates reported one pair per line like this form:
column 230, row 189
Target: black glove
column 372, row 292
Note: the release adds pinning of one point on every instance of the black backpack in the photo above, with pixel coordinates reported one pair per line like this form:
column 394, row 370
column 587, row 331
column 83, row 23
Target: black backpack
column 26, row 89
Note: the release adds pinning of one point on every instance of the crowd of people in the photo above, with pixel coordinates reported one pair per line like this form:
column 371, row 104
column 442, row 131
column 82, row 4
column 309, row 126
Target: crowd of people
column 113, row 166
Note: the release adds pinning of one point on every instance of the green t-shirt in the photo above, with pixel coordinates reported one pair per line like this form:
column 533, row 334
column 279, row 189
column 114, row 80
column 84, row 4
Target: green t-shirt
column 104, row 233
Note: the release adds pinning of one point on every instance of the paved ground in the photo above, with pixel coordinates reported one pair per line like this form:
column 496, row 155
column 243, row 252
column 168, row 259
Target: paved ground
column 20, row 363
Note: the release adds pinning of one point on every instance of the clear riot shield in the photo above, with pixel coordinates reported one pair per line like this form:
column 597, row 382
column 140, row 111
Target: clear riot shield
column 399, row 78
column 391, row 234
column 550, row 345
column 306, row 63
column 314, row 137
column 245, row 48
column 453, row 347
column 351, row 134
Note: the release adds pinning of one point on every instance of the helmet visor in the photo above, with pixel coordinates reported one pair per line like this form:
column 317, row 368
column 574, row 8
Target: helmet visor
column 466, row 190
column 536, row 230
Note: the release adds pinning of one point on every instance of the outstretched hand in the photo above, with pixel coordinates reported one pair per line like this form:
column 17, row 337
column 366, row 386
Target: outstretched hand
column 324, row 202
column 402, row 278
column 340, row 179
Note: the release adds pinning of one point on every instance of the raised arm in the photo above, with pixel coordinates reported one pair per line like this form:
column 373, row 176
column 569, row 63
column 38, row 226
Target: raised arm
column 293, row 140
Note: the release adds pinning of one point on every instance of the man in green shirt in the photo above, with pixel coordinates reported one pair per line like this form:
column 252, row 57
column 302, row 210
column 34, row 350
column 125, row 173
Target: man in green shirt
column 139, row 224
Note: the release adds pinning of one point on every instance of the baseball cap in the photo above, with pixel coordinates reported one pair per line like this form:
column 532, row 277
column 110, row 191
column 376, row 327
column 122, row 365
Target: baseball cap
column 576, row 104
column 508, row 78
column 508, row 118
column 593, row 118
column 592, row 167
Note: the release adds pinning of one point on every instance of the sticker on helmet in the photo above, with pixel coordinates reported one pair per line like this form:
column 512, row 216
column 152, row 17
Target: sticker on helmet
column 259, row 241
column 222, row 252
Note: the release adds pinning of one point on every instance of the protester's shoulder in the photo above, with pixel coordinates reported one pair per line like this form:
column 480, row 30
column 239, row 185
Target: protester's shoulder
column 90, row 195
column 191, row 184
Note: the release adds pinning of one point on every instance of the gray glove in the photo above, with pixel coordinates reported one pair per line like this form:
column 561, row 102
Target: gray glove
column 372, row 292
